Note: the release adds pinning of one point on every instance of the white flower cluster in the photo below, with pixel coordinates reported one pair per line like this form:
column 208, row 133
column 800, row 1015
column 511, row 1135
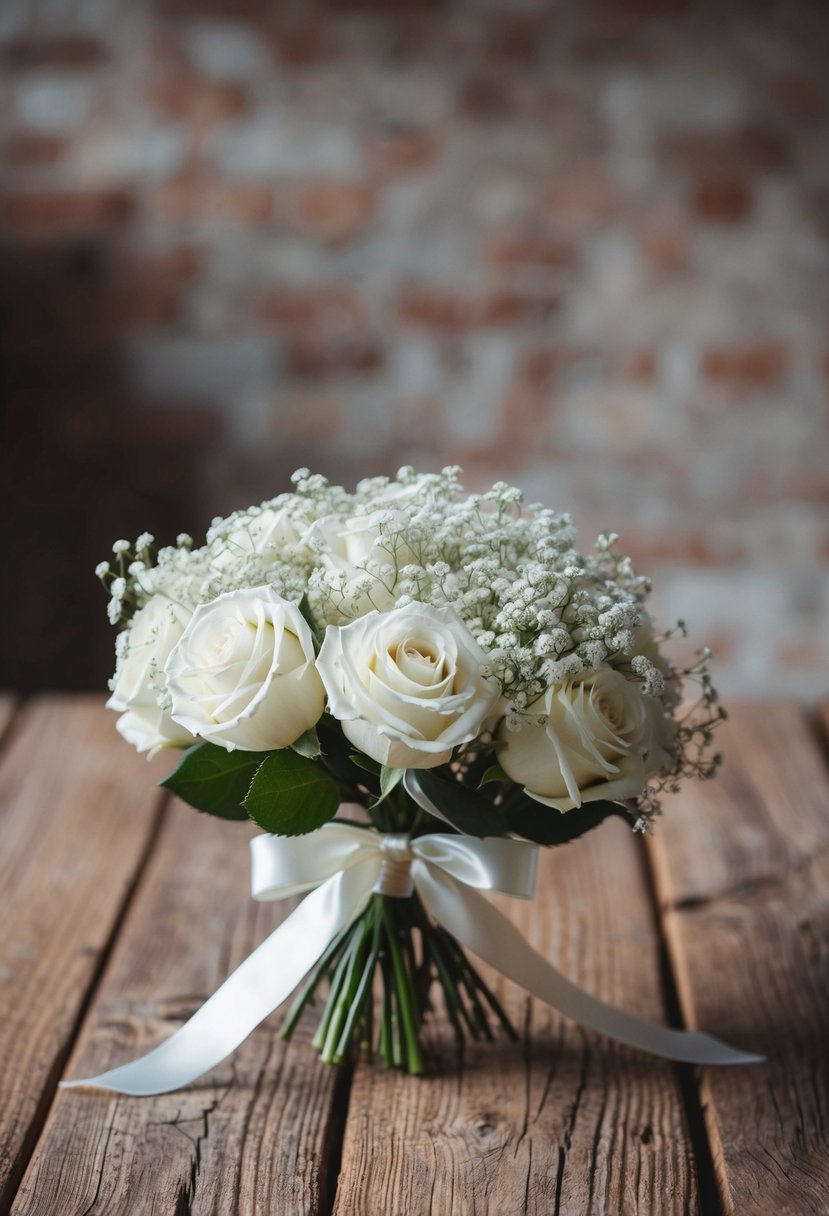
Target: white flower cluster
column 543, row 616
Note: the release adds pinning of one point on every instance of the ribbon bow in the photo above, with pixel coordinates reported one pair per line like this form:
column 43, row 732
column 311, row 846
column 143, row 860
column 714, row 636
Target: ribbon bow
column 342, row 866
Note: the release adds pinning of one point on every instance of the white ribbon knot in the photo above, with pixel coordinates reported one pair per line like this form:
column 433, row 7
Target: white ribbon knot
column 342, row 866
column 396, row 875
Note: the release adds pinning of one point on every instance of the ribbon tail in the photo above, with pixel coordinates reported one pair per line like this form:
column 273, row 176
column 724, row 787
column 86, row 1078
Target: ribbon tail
column 482, row 928
column 258, row 986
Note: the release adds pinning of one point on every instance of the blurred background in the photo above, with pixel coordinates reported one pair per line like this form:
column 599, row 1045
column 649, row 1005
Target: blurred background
column 579, row 245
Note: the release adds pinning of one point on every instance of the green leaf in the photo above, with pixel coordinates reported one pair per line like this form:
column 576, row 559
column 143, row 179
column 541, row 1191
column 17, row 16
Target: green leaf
column 389, row 778
column 466, row 809
column 545, row 825
column 214, row 780
column 471, row 812
column 308, row 616
column 493, row 773
column 336, row 756
column 366, row 763
column 290, row 795
column 308, row 745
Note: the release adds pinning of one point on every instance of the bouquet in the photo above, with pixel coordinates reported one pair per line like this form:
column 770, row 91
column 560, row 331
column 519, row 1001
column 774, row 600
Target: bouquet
column 407, row 688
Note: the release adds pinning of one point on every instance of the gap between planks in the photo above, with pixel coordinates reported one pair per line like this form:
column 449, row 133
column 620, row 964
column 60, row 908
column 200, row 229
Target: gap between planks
column 745, row 907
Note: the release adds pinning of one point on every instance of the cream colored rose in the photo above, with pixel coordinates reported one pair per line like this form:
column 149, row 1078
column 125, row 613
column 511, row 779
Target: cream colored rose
column 595, row 743
column 264, row 533
column 140, row 680
column 243, row 675
column 406, row 685
column 346, row 546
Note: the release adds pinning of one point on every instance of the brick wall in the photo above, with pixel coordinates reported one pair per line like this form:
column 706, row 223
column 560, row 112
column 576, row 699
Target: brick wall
column 578, row 245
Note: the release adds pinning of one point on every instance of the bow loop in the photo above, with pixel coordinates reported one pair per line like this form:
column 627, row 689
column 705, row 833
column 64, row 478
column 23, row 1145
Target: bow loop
column 346, row 864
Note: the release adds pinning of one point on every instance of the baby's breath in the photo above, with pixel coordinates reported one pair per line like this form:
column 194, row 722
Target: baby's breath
column 543, row 612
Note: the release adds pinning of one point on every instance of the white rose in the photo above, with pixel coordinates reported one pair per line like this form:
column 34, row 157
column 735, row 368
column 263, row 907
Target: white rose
column 599, row 731
column 140, row 680
column 263, row 533
column 406, row 684
column 347, row 546
column 243, row 673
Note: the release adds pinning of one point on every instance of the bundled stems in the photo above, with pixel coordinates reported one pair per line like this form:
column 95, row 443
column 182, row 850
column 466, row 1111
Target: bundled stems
column 395, row 940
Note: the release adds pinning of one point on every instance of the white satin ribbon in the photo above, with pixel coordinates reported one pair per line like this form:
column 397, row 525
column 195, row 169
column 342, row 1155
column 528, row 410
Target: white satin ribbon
column 344, row 865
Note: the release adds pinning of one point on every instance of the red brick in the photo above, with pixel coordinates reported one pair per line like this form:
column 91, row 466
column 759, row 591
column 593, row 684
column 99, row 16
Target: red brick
column 188, row 197
column 748, row 148
column 335, row 211
column 30, row 149
column 152, row 286
column 752, row 365
column 436, row 308
column 60, row 52
column 540, row 367
column 310, row 358
column 301, row 45
column 446, row 309
column 529, row 249
column 201, row 103
column 722, row 199
column 668, row 251
column 580, row 197
column 487, row 97
column 66, row 213
column 635, row 366
column 506, row 307
column 514, row 38
column 324, row 309
column 402, row 151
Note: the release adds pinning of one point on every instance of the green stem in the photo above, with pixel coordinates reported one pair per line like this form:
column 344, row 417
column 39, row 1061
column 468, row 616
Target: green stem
column 386, row 1050
column 345, row 996
column 473, row 978
column 361, row 995
column 333, row 992
column 451, row 991
column 309, row 988
column 408, row 1017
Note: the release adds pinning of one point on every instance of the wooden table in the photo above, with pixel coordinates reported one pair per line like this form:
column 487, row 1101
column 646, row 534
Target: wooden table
column 122, row 910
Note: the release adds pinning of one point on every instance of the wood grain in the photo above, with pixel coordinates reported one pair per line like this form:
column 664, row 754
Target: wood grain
column 257, row 1134
column 76, row 818
column 742, row 870
column 562, row 1122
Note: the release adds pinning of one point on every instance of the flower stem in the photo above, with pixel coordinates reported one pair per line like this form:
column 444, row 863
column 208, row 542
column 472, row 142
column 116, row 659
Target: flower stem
column 346, row 993
column 405, row 995
column 361, row 996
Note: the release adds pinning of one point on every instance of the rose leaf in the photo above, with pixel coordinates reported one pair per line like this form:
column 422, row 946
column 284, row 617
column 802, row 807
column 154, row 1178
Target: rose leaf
column 545, row 825
column 289, row 795
column 214, row 780
column 308, row 745
column 467, row 810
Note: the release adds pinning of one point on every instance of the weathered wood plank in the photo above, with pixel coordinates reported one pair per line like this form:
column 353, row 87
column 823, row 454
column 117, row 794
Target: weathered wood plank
column 563, row 1121
column 8, row 705
column 742, row 869
column 259, row 1133
column 76, row 818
